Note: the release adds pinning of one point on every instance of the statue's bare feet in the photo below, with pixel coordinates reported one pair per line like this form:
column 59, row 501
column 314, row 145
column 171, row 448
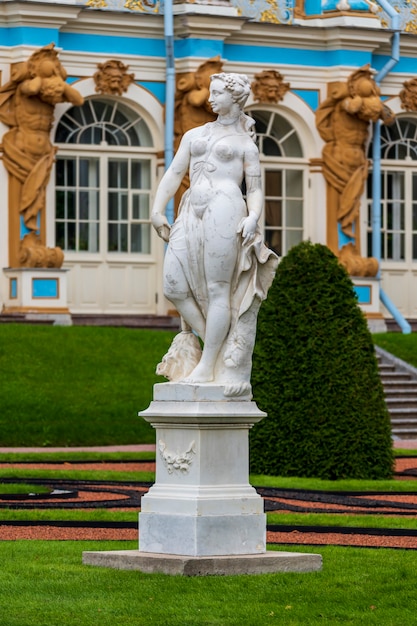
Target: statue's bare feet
column 200, row 374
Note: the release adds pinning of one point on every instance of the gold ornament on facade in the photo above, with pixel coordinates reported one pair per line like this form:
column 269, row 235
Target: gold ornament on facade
column 343, row 121
column 96, row 4
column 269, row 87
column 408, row 95
column 27, row 104
column 142, row 5
column 112, row 78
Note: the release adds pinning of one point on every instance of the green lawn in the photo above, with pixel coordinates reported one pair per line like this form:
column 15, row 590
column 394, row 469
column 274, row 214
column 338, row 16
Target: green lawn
column 402, row 346
column 45, row 584
column 71, row 386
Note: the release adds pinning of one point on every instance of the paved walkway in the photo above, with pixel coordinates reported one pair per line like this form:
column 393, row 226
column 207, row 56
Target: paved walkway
column 408, row 444
column 138, row 448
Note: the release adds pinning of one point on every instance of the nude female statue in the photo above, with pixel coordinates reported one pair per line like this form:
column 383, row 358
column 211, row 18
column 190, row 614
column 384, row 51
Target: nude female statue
column 217, row 269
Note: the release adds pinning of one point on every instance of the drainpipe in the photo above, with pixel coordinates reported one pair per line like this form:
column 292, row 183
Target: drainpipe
column 169, row 94
column 376, row 167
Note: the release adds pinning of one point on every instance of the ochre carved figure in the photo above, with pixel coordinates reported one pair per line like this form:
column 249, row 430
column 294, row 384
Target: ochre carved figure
column 269, row 87
column 408, row 95
column 343, row 123
column 27, row 106
column 217, row 269
column 112, row 78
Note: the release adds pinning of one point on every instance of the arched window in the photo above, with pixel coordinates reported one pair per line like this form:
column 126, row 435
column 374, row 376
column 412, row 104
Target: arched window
column 283, row 180
column 103, row 179
column 398, row 192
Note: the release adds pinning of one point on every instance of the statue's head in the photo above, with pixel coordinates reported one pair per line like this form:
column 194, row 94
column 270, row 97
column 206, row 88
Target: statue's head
column 237, row 84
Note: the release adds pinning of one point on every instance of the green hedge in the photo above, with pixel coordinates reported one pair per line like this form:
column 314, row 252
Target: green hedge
column 315, row 373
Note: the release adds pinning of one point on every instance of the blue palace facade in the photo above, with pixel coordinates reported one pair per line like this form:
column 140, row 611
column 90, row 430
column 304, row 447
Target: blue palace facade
column 140, row 66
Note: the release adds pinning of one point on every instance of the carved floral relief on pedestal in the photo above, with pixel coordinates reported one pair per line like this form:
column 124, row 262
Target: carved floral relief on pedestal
column 343, row 121
column 177, row 461
column 269, row 87
column 112, row 78
column 27, row 105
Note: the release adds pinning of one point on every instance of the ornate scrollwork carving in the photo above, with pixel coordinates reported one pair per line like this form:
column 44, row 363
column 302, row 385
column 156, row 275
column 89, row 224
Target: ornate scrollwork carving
column 32, row 253
column 112, row 78
column 179, row 461
column 269, row 87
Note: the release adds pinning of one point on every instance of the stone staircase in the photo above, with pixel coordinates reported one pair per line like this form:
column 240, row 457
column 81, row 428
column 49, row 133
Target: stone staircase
column 400, row 384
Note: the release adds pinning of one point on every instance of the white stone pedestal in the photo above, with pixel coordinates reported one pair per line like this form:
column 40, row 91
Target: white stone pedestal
column 201, row 503
column 202, row 517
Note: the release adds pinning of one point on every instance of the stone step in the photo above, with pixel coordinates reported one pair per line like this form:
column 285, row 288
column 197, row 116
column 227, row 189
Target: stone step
column 395, row 377
column 401, row 403
column 405, row 433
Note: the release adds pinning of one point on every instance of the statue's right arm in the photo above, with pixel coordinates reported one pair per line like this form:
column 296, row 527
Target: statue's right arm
column 169, row 184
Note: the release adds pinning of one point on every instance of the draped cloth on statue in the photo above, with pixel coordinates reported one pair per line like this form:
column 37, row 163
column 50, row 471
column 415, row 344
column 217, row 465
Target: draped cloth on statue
column 253, row 275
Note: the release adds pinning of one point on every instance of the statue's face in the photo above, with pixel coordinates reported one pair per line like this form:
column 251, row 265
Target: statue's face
column 221, row 100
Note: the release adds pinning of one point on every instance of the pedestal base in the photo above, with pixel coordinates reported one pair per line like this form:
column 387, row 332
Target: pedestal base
column 148, row 563
column 209, row 535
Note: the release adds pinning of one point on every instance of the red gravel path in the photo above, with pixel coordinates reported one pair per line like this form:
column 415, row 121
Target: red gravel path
column 52, row 532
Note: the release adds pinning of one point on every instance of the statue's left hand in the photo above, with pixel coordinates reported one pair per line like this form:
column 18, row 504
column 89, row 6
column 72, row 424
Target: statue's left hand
column 248, row 228
column 161, row 225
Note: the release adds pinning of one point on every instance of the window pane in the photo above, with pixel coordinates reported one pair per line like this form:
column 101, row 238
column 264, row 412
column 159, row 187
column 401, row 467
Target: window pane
column 140, row 238
column 83, row 236
column 141, row 175
column 273, row 239
column 294, row 183
column 70, row 205
column 123, row 238
column 71, row 240
column 414, row 247
column 273, row 213
column 414, row 216
column 88, row 173
column 294, row 213
column 60, row 235
column 118, row 174
column 113, row 206
column 293, row 238
column 270, row 147
column 273, row 183
column 113, row 235
column 83, row 200
column 89, row 205
column 140, row 207
column 60, row 204
column 88, row 236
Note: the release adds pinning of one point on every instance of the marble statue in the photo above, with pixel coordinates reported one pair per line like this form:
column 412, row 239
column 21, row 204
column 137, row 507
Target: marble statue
column 217, row 269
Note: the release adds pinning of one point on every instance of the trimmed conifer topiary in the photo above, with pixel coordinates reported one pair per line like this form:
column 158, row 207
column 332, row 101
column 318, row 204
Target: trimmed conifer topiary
column 316, row 375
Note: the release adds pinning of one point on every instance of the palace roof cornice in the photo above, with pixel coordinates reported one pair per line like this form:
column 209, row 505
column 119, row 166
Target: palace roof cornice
column 311, row 38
